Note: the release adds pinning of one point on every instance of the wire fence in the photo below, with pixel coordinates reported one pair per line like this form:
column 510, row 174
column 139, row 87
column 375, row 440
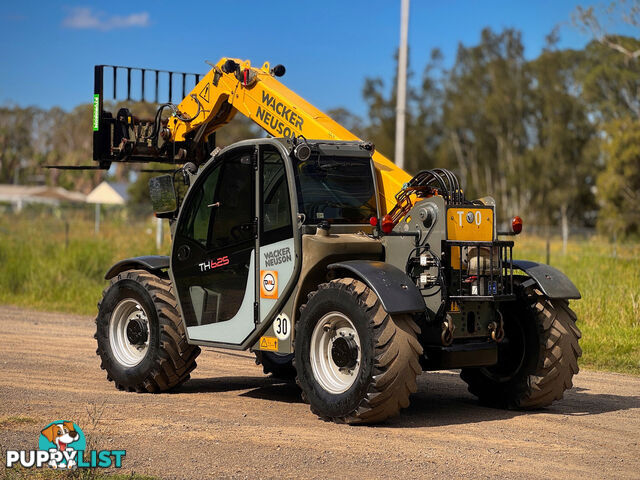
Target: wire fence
column 555, row 231
column 554, row 235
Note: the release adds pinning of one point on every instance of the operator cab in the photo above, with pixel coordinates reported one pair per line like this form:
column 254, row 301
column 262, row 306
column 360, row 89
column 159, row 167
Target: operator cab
column 336, row 188
column 236, row 253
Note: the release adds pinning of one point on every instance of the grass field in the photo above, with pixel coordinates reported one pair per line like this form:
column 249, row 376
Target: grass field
column 609, row 312
column 18, row 473
column 21, row 473
column 39, row 270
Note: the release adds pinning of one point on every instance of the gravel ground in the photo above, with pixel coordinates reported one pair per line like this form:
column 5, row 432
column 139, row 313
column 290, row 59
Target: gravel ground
column 230, row 421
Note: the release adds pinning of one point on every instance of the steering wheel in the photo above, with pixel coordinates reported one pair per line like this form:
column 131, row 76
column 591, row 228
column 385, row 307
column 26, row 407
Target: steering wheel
column 238, row 232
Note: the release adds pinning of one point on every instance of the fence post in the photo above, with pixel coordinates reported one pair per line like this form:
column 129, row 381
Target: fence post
column 548, row 251
column 97, row 226
column 158, row 234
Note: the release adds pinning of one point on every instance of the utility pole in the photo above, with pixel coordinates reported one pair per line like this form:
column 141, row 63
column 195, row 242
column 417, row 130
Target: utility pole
column 401, row 104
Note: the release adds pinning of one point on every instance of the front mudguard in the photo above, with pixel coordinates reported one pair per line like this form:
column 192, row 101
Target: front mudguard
column 396, row 291
column 151, row 263
column 552, row 282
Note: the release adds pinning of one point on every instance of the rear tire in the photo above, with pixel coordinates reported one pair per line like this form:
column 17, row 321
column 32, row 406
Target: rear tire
column 277, row 365
column 355, row 362
column 537, row 358
column 141, row 338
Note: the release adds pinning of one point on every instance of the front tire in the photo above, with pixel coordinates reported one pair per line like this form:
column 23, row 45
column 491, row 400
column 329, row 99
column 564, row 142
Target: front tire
column 537, row 358
column 355, row 362
column 141, row 338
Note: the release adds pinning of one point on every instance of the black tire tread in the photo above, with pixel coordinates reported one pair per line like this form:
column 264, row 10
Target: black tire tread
column 176, row 358
column 559, row 351
column 396, row 364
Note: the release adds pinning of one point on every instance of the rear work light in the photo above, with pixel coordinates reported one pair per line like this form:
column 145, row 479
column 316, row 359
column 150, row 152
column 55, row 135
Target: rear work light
column 387, row 223
column 516, row 225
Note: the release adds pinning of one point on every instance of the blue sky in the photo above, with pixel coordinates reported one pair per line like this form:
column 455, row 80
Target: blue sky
column 329, row 47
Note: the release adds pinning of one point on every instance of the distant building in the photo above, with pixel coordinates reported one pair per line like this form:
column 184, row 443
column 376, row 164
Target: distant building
column 109, row 194
column 20, row 195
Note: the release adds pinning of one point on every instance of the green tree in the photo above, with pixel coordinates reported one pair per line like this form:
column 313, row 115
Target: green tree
column 619, row 182
column 560, row 156
column 71, row 143
column 597, row 20
column 611, row 85
column 423, row 128
column 18, row 138
column 610, row 80
column 484, row 119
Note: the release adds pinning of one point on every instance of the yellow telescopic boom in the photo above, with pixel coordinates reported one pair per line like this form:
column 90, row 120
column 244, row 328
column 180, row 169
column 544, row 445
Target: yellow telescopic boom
column 233, row 86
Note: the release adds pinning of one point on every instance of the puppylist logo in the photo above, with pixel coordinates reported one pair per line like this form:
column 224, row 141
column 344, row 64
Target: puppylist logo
column 62, row 444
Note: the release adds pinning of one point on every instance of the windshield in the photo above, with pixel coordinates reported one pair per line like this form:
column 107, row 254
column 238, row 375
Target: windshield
column 336, row 189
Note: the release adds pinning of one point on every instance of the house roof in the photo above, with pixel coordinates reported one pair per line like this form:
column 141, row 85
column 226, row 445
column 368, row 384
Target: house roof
column 38, row 194
column 109, row 193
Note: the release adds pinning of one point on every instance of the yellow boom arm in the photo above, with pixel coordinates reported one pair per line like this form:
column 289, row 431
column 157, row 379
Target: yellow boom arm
column 233, row 86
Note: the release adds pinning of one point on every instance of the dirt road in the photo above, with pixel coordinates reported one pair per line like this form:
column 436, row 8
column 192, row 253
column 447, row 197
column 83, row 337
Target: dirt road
column 231, row 421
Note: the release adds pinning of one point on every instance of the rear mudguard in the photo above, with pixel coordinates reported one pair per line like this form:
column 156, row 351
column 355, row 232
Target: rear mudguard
column 396, row 291
column 151, row 263
column 552, row 282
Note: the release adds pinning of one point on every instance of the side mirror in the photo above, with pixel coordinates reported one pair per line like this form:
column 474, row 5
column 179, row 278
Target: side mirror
column 163, row 196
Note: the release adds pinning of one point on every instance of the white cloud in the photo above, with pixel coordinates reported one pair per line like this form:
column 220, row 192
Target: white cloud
column 85, row 18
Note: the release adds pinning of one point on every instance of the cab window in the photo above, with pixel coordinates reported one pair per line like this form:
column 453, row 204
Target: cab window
column 336, row 189
column 221, row 210
column 276, row 208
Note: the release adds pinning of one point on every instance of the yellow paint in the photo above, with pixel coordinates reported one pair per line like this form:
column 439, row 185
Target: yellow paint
column 269, row 343
column 287, row 114
column 480, row 229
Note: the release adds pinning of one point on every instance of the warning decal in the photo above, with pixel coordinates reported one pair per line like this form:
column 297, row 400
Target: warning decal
column 204, row 94
column 268, row 343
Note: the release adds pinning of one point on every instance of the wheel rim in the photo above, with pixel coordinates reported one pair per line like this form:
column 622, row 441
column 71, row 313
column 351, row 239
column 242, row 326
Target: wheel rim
column 129, row 332
column 335, row 338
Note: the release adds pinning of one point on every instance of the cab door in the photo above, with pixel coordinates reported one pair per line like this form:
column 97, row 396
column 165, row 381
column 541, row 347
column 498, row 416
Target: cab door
column 277, row 247
column 215, row 251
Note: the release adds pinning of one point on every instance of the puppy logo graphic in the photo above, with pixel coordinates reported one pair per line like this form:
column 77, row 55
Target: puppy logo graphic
column 65, row 437
column 61, row 434
column 61, row 444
